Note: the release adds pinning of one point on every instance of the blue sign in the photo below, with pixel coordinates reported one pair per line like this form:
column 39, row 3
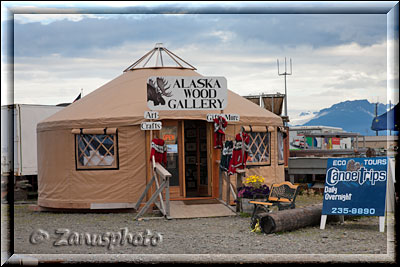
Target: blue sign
column 355, row 186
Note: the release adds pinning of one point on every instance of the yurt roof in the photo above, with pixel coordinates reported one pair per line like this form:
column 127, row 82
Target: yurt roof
column 123, row 101
column 160, row 57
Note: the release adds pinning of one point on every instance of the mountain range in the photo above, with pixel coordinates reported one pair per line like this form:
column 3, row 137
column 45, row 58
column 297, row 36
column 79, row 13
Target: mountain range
column 352, row 116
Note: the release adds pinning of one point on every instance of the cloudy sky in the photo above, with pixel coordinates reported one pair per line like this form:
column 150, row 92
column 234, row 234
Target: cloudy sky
column 64, row 47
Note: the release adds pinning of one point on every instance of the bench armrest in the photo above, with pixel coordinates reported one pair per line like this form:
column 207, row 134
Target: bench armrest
column 261, row 203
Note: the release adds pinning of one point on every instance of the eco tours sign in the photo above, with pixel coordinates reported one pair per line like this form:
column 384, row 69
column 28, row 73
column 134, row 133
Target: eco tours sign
column 186, row 93
column 355, row 186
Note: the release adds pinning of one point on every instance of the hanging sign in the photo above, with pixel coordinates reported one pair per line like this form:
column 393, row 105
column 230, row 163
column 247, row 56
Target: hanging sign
column 228, row 117
column 187, row 93
column 148, row 126
column 335, row 141
column 151, row 115
column 355, row 186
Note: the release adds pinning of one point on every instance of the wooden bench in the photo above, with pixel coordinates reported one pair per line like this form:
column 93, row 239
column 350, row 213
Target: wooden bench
column 282, row 195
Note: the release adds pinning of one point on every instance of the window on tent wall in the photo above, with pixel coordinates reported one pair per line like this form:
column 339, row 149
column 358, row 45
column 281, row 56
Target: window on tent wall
column 96, row 151
column 260, row 148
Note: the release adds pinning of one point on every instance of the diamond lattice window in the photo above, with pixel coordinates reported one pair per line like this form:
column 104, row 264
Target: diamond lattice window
column 259, row 148
column 96, row 151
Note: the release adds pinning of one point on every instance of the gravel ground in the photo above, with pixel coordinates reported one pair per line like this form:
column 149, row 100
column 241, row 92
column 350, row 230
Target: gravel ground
column 219, row 235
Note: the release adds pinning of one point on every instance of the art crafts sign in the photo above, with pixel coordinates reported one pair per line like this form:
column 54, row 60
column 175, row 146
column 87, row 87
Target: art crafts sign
column 186, row 93
column 355, row 186
column 150, row 126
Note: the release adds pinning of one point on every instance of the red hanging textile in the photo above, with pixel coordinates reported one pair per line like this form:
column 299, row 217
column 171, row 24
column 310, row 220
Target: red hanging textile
column 241, row 150
column 220, row 125
column 159, row 151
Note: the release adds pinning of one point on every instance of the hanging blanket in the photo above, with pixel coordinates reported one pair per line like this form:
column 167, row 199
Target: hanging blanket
column 159, row 151
column 220, row 125
column 226, row 155
column 241, row 150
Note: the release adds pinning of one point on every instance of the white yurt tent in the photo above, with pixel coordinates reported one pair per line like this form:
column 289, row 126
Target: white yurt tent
column 94, row 151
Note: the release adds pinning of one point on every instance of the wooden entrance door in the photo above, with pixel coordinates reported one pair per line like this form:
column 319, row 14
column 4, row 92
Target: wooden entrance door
column 196, row 159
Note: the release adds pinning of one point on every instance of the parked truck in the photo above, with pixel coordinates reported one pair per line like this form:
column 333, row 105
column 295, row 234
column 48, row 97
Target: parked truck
column 25, row 119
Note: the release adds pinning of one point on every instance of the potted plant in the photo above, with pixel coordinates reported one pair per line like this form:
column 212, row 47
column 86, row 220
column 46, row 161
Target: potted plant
column 252, row 189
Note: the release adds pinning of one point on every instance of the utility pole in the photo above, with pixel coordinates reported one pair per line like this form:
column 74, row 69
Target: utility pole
column 285, row 74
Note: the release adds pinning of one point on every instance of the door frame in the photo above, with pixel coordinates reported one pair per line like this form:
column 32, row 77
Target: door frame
column 203, row 191
column 176, row 191
column 179, row 192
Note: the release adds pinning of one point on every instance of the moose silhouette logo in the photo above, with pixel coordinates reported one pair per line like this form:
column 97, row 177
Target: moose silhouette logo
column 156, row 90
column 186, row 93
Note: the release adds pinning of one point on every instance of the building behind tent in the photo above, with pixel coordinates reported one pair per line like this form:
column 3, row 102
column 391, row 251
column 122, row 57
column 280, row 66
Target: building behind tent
column 298, row 141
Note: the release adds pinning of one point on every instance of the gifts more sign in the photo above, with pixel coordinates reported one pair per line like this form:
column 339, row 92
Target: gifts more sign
column 186, row 93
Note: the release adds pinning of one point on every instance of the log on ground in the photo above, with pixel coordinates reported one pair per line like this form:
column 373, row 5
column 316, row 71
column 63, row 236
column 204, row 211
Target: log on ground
column 288, row 220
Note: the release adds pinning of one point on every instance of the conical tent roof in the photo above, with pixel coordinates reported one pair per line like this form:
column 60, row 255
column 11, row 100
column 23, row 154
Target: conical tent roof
column 123, row 100
column 160, row 57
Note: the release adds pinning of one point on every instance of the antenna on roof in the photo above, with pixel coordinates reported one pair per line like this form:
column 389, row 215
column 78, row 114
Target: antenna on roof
column 285, row 74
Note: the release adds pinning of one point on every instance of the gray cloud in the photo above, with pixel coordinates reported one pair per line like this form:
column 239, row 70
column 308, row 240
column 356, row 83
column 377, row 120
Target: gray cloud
column 339, row 56
column 78, row 38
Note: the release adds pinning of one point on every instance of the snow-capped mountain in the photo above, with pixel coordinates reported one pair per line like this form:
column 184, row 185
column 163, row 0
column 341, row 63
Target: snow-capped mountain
column 302, row 118
column 351, row 116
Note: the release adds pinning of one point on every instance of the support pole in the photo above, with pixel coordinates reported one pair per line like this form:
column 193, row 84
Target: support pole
column 167, row 205
column 158, row 186
column 323, row 222
column 381, row 224
column 239, row 175
column 376, row 115
column 285, row 74
column 228, row 189
column 221, row 182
